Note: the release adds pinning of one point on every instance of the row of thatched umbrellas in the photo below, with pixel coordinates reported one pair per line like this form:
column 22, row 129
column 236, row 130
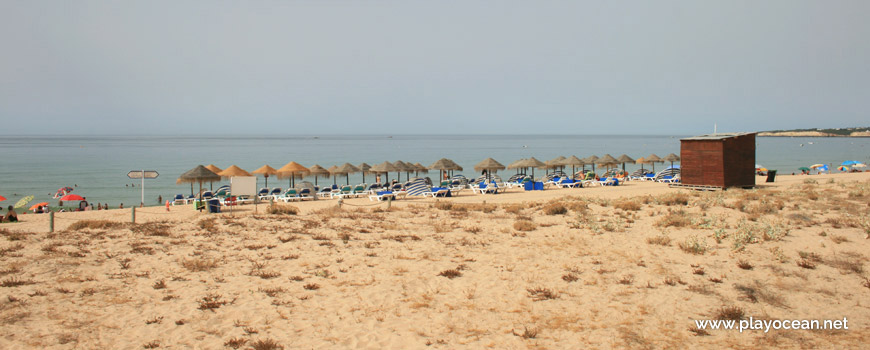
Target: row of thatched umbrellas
column 292, row 170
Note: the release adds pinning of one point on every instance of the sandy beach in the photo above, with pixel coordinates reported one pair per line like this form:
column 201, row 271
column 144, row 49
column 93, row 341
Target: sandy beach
column 632, row 266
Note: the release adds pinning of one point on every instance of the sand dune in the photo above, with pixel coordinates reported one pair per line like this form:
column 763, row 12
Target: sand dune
column 625, row 267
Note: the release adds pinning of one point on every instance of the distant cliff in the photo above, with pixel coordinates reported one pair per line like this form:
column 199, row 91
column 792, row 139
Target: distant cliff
column 840, row 132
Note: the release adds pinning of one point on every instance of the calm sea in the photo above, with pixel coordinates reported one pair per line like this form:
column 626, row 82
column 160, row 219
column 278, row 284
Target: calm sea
column 97, row 165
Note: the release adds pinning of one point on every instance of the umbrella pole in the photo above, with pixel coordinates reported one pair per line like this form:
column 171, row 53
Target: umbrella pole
column 267, row 180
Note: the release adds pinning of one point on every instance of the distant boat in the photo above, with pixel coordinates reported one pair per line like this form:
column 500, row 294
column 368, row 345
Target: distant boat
column 810, row 143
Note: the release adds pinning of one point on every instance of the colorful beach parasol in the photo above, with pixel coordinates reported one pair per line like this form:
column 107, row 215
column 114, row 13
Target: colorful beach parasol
column 62, row 191
column 843, row 168
column 71, row 197
column 21, row 203
column 859, row 165
column 37, row 205
column 850, row 162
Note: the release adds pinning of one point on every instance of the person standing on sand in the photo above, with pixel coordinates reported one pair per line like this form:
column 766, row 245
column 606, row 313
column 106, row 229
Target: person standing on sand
column 121, row 206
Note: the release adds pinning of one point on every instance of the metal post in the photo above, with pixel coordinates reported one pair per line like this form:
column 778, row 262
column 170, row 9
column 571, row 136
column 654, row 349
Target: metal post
column 142, row 204
column 389, row 202
column 50, row 222
column 133, row 214
column 339, row 202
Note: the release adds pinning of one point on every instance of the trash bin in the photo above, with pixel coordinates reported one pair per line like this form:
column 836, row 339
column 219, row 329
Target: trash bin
column 214, row 206
column 528, row 186
column 771, row 175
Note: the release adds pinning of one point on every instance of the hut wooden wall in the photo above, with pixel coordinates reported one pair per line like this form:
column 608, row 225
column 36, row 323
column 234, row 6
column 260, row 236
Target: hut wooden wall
column 701, row 163
column 725, row 162
column 739, row 161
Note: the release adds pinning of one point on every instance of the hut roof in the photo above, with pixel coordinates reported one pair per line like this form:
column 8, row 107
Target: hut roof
column 489, row 164
column 198, row 174
column 317, row 170
column 234, row 171
column 625, row 159
column 265, row 170
column 671, row 158
column 606, row 160
column 290, row 169
column 214, row 168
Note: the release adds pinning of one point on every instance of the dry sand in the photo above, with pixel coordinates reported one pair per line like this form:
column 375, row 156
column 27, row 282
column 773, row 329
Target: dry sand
column 623, row 267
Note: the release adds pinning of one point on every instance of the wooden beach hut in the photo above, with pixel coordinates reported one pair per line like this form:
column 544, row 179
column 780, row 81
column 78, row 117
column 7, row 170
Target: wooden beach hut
column 718, row 160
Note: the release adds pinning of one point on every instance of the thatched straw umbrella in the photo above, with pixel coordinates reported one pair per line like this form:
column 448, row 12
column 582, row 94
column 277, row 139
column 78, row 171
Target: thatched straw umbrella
column 199, row 175
column 290, row 170
column 333, row 171
column 383, row 168
column 266, row 171
column 653, row 159
column 213, row 169
column 531, row 163
column 516, row 165
column 591, row 160
column 671, row 158
column 317, row 170
column 363, row 168
column 454, row 166
column 607, row 160
column 640, row 161
column 419, row 168
column 347, row 169
column 442, row 165
column 402, row 166
column 490, row 166
column 624, row 159
column 233, row 171
column 574, row 161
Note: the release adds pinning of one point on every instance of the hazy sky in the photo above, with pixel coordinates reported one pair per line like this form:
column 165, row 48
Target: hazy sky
column 432, row 67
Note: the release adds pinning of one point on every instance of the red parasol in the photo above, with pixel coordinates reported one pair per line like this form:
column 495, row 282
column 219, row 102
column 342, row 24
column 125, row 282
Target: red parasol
column 72, row 197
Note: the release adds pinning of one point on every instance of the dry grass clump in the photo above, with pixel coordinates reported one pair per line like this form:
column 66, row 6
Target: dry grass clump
column 570, row 277
column 555, row 209
column 662, row 240
column 676, row 219
column 282, row 210
column 211, row 302
column 735, row 313
column 451, row 274
column 199, row 264
column 311, row 286
column 267, row 344
column 628, row 205
column 524, row 225
column 807, row 264
column 94, row 225
column 743, row 264
column 513, row 208
column 694, row 245
column 848, row 263
column 759, row 292
column 539, row 293
column 15, row 282
column 670, row 199
column 209, row 225
column 527, row 333
column 152, row 229
column 235, row 343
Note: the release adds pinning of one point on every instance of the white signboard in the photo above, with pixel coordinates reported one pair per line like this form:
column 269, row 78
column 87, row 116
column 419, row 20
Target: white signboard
column 243, row 185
